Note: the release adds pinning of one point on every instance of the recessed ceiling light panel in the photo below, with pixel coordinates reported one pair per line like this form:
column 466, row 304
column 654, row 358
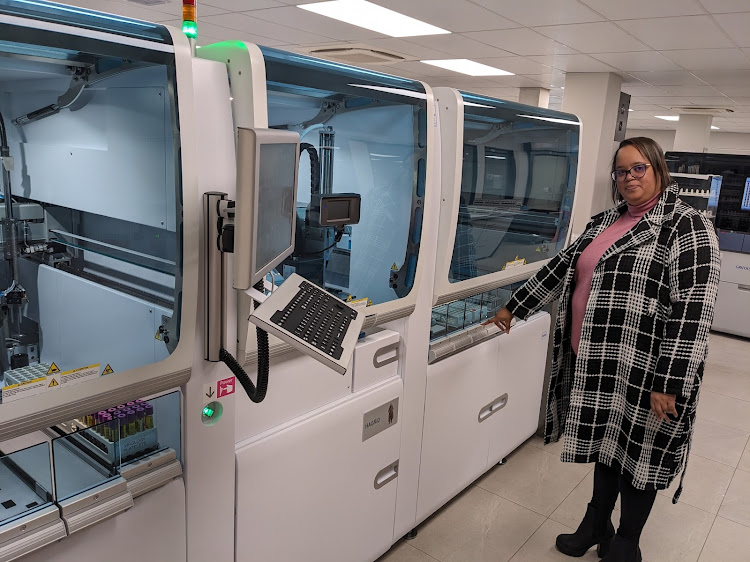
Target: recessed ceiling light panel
column 668, row 117
column 466, row 66
column 371, row 16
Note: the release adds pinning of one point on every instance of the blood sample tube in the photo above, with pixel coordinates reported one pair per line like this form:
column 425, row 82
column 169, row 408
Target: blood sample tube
column 149, row 417
column 132, row 428
column 140, row 414
column 122, row 421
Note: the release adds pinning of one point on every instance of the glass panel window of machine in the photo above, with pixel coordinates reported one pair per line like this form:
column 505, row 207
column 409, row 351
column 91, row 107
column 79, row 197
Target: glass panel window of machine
column 90, row 272
column 361, row 174
column 517, row 184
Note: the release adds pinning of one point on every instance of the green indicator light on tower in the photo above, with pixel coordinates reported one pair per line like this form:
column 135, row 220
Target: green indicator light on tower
column 208, row 412
column 190, row 29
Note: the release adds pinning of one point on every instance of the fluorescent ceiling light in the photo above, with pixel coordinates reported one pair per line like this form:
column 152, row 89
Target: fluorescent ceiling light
column 715, row 128
column 551, row 119
column 397, row 91
column 495, row 157
column 668, row 117
column 371, row 16
column 466, row 66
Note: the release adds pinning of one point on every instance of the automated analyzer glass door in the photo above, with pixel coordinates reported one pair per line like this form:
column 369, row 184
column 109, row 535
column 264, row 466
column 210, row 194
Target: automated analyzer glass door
column 510, row 191
column 364, row 143
column 91, row 277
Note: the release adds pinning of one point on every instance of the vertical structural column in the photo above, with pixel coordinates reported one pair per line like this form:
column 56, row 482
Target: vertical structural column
column 693, row 132
column 534, row 96
column 595, row 98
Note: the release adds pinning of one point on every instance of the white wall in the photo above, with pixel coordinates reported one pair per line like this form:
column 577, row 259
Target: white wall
column 719, row 143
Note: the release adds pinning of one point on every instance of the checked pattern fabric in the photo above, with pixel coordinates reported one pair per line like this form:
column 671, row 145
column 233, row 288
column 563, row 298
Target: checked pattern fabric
column 645, row 329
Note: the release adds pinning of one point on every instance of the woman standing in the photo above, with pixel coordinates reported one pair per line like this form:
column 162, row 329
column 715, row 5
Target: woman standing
column 636, row 297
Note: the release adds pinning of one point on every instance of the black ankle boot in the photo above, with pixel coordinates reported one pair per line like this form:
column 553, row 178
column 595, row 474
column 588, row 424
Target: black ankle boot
column 594, row 529
column 623, row 550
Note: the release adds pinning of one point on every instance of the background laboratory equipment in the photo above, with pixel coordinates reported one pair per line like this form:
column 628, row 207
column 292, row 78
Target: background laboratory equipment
column 732, row 223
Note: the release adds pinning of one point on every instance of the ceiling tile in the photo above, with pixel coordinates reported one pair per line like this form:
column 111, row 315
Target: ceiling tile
column 645, row 8
column 233, row 5
column 742, row 100
column 696, row 59
column 669, row 78
column 686, row 32
column 456, row 15
column 516, row 65
column 686, row 91
column 712, row 101
column 665, row 101
column 458, row 46
column 603, row 37
column 516, row 82
column 422, row 70
column 471, row 83
column 542, row 12
column 265, row 28
column 509, row 94
column 643, row 90
column 221, row 33
column 736, row 25
column 552, row 80
column 174, row 8
column 404, row 47
column 573, row 63
column 725, row 6
column 733, row 91
column 522, row 41
column 310, row 23
column 724, row 77
column 637, row 61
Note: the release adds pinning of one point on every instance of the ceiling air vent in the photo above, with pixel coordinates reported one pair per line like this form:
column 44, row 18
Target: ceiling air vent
column 356, row 54
column 692, row 110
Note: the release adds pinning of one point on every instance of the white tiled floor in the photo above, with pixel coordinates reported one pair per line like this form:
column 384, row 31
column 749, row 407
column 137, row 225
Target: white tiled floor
column 515, row 511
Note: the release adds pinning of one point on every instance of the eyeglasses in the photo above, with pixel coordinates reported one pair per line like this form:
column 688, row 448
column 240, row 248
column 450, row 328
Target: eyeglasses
column 637, row 171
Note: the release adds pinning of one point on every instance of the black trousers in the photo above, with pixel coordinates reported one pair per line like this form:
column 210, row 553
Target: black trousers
column 636, row 504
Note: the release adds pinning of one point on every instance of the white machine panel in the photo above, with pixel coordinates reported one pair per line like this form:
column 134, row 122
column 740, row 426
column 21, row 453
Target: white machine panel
column 454, row 443
column 301, row 483
column 116, row 327
column 481, row 404
column 523, row 357
column 131, row 535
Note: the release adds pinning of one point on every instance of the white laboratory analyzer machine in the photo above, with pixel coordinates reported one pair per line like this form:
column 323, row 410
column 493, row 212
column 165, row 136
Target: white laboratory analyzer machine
column 241, row 289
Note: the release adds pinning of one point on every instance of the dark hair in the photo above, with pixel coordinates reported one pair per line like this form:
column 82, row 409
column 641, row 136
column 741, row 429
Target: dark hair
column 652, row 152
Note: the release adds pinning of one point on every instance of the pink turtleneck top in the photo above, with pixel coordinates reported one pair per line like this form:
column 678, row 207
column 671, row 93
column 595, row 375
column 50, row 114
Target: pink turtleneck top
column 591, row 256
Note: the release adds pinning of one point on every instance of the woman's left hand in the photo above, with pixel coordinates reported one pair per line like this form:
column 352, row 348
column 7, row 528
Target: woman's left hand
column 663, row 404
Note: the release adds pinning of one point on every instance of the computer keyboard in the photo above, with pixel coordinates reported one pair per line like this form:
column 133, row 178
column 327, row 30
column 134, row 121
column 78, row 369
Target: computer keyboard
column 317, row 318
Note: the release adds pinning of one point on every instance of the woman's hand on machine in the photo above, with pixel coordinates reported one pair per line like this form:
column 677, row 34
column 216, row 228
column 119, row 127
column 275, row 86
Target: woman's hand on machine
column 663, row 404
column 502, row 320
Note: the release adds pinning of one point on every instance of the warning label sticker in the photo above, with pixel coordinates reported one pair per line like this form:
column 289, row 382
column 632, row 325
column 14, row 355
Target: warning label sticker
column 24, row 389
column 53, row 369
column 108, row 370
column 80, row 375
column 53, row 382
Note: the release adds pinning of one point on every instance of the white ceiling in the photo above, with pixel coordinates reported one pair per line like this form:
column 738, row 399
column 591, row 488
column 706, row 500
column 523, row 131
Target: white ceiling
column 668, row 52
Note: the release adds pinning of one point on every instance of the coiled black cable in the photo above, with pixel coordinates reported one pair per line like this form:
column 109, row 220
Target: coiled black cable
column 256, row 394
column 314, row 166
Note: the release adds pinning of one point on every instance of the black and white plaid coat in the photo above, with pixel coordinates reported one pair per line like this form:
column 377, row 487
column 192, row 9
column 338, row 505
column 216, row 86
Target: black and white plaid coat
column 645, row 329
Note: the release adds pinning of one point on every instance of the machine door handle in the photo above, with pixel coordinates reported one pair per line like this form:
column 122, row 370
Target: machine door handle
column 385, row 355
column 386, row 475
column 493, row 407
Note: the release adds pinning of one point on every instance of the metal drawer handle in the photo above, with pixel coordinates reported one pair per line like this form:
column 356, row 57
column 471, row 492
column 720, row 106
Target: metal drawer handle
column 386, row 475
column 385, row 351
column 493, row 407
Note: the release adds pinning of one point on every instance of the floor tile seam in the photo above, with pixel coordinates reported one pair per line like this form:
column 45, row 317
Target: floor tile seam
column 703, row 546
column 726, row 396
column 527, row 540
column 515, row 502
column 422, row 551
column 698, row 418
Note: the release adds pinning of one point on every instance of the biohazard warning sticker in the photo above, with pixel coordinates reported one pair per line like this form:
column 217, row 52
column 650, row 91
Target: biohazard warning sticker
column 108, row 370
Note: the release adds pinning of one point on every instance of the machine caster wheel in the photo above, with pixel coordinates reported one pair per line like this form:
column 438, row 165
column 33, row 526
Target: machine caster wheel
column 411, row 534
